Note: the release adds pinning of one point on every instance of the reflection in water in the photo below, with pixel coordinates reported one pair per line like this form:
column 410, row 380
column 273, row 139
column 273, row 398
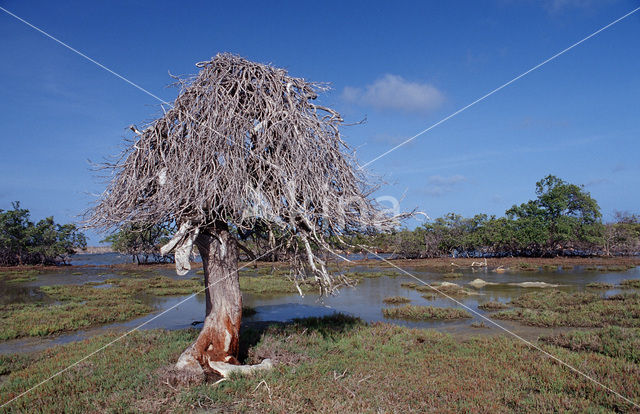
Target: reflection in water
column 19, row 293
column 364, row 301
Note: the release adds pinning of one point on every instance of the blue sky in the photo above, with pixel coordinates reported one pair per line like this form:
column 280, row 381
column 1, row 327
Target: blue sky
column 403, row 65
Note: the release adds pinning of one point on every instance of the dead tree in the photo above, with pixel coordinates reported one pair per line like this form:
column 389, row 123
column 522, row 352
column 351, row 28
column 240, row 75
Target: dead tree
column 243, row 150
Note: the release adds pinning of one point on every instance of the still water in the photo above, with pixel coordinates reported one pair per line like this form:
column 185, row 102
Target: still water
column 363, row 301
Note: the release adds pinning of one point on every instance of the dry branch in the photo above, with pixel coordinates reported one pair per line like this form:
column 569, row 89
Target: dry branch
column 245, row 144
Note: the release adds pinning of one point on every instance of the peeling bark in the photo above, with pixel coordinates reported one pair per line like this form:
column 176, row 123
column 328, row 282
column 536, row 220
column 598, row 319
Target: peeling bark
column 219, row 339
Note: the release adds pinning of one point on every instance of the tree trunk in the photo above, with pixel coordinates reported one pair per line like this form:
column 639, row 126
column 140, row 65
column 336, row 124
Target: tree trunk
column 219, row 339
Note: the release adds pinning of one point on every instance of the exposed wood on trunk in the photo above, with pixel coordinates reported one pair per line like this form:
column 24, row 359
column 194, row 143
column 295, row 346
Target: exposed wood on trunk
column 219, row 339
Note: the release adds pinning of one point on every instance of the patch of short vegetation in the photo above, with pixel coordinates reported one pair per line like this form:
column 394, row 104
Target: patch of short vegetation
column 493, row 306
column 580, row 309
column 18, row 276
column 630, row 283
column 316, row 362
column 396, row 300
column 450, row 289
column 73, row 307
column 419, row 313
column 479, row 325
column 269, row 284
column 612, row 341
column 526, row 267
column 452, row 275
column 600, row 285
column 617, row 268
column 159, row 285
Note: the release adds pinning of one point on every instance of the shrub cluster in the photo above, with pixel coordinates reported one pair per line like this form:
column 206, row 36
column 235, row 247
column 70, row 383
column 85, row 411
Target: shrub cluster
column 45, row 242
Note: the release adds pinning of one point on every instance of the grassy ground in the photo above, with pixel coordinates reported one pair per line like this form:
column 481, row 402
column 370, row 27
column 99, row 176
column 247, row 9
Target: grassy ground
column 271, row 285
column 631, row 283
column 440, row 264
column 18, row 276
column 491, row 306
column 419, row 313
column 334, row 364
column 612, row 341
column 444, row 263
column 557, row 308
column 71, row 307
column 396, row 300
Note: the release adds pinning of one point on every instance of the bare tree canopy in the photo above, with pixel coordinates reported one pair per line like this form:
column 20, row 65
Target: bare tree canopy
column 243, row 151
column 244, row 144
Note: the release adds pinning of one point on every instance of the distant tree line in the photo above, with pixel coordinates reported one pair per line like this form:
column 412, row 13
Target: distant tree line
column 563, row 220
column 44, row 243
column 141, row 241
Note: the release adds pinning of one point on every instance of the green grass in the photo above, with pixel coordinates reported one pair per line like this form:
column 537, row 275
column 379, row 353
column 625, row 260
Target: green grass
column 527, row 267
column 452, row 275
column 18, row 276
column 394, row 300
column 631, row 283
column 73, row 307
column 612, row 341
column 492, row 306
column 325, row 365
column 599, row 285
column 419, row 313
column 557, row 308
column 269, row 285
column 616, row 268
column 159, row 286
column 449, row 289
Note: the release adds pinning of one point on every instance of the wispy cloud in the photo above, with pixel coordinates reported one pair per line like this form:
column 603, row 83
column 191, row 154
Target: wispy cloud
column 438, row 185
column 619, row 167
column 559, row 5
column 388, row 139
column 597, row 181
column 396, row 93
column 540, row 123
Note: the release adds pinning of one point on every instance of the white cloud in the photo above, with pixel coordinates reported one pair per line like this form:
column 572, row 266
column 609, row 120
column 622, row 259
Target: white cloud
column 438, row 185
column 395, row 92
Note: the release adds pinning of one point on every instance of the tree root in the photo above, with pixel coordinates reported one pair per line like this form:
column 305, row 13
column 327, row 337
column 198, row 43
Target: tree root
column 226, row 369
column 188, row 363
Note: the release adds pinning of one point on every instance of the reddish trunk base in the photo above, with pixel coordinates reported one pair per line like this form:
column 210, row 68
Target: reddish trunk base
column 219, row 339
column 218, row 342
